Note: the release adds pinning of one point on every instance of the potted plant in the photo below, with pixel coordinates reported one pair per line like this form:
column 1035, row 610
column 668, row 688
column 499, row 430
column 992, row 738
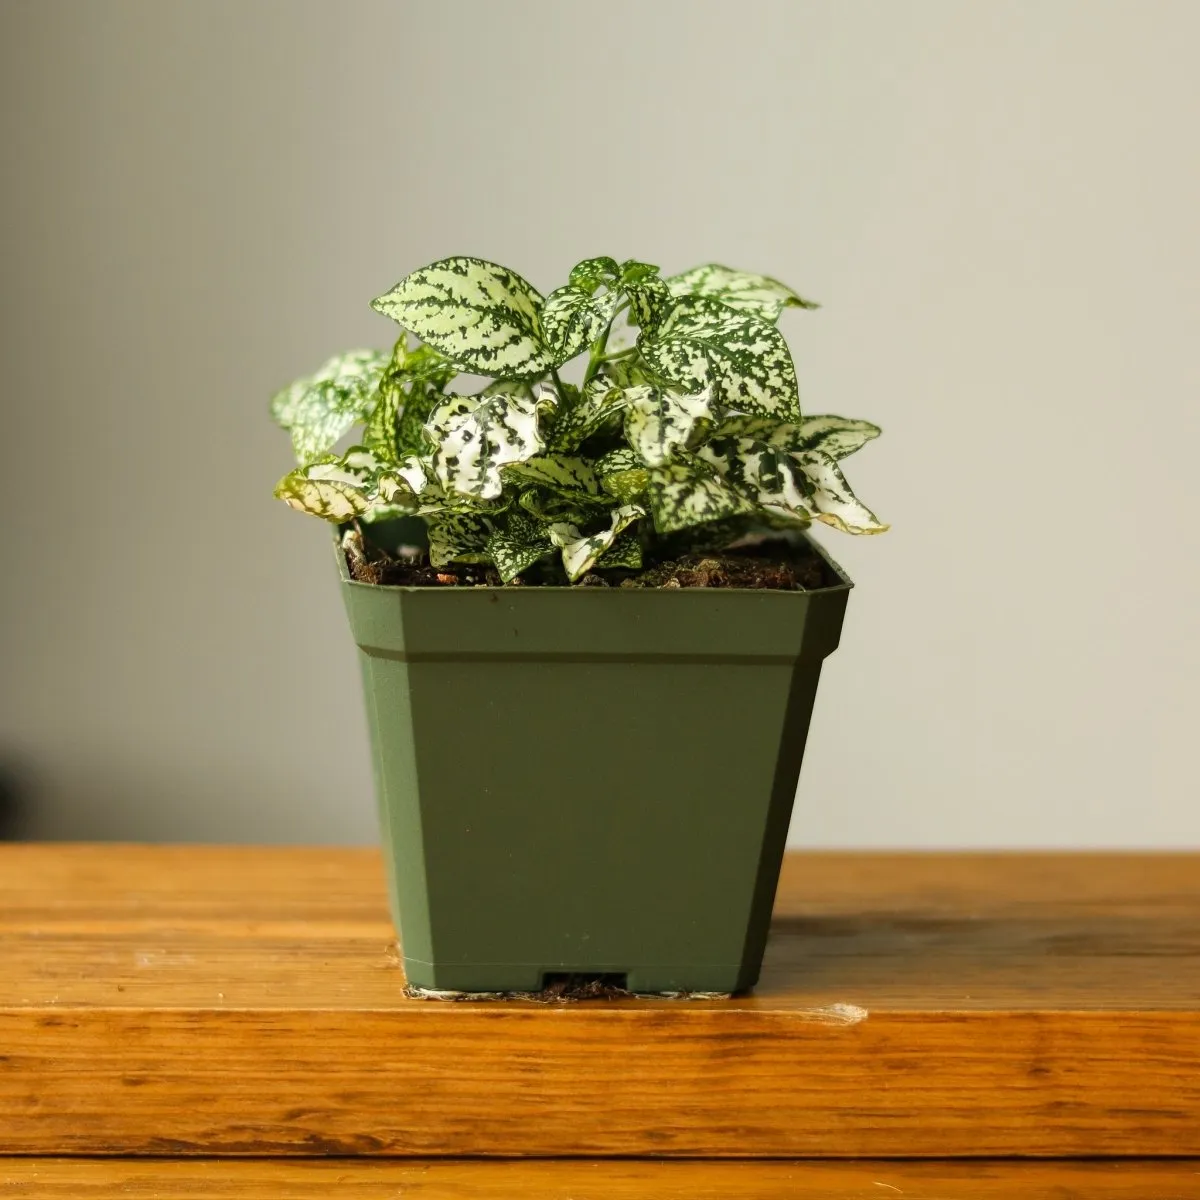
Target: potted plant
column 591, row 624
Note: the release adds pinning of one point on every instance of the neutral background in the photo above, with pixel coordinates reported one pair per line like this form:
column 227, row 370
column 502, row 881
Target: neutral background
column 996, row 200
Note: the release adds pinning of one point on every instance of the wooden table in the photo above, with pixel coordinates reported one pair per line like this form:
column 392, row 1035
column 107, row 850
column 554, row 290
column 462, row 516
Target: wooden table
column 202, row 1004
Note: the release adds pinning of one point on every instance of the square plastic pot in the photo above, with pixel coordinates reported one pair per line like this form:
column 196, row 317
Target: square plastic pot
column 587, row 781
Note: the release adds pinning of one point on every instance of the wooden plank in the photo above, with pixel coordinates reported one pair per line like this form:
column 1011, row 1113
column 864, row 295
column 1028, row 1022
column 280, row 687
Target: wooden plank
column 248, row 1001
column 543, row 1179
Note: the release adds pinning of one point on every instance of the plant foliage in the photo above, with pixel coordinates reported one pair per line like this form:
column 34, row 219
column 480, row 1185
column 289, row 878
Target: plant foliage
column 687, row 413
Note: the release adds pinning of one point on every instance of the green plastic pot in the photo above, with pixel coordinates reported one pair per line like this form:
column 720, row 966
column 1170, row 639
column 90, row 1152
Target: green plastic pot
column 587, row 781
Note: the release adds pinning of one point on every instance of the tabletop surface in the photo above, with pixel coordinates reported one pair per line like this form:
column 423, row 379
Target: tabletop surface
column 209, row 1001
column 129, row 926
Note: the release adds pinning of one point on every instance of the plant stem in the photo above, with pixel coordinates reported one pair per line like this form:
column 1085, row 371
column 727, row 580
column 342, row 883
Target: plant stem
column 558, row 383
column 597, row 353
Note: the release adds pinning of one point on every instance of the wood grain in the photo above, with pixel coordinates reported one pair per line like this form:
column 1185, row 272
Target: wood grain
column 533, row 1179
column 248, row 1001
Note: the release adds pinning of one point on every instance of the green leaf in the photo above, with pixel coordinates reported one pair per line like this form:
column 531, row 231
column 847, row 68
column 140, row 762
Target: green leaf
column 660, row 424
column 634, row 272
column 474, row 436
column 411, row 385
column 483, row 317
column 623, row 475
column 518, row 544
column 580, row 552
column 573, row 318
column 563, row 473
column 757, row 294
column 681, row 495
column 595, row 272
column 458, row 538
column 319, row 409
column 580, row 415
column 833, row 500
column 744, row 359
column 838, row 437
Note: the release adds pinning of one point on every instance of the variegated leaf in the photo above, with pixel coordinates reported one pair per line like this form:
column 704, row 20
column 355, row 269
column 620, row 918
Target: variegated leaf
column 458, row 538
column 623, row 475
column 517, row 544
column 580, row 552
column 565, row 473
column 411, row 385
column 573, row 318
column 757, row 294
column 579, row 415
column 681, row 495
column 623, row 458
column 594, row 272
column 648, row 302
column 474, row 436
column 743, row 358
column 626, row 551
column 767, row 474
column 318, row 410
column 660, row 424
column 521, row 388
column 838, row 437
column 833, row 500
column 323, row 489
column 337, row 489
column 482, row 316
column 550, row 507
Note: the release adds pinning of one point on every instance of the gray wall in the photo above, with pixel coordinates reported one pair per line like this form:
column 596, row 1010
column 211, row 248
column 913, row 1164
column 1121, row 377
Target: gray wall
column 996, row 202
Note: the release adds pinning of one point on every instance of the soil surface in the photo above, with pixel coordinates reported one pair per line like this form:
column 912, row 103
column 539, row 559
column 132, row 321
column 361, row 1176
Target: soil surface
column 773, row 564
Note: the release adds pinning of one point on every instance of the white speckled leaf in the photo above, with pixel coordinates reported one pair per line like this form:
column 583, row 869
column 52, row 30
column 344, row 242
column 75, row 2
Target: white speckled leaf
column 480, row 315
column 321, row 408
column 767, row 474
column 838, row 437
column 573, row 318
column 474, row 436
column 681, row 495
column 758, row 294
column 581, row 552
column 833, row 500
column 458, row 538
column 517, row 544
column 592, row 272
column 660, row 424
column 744, row 359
